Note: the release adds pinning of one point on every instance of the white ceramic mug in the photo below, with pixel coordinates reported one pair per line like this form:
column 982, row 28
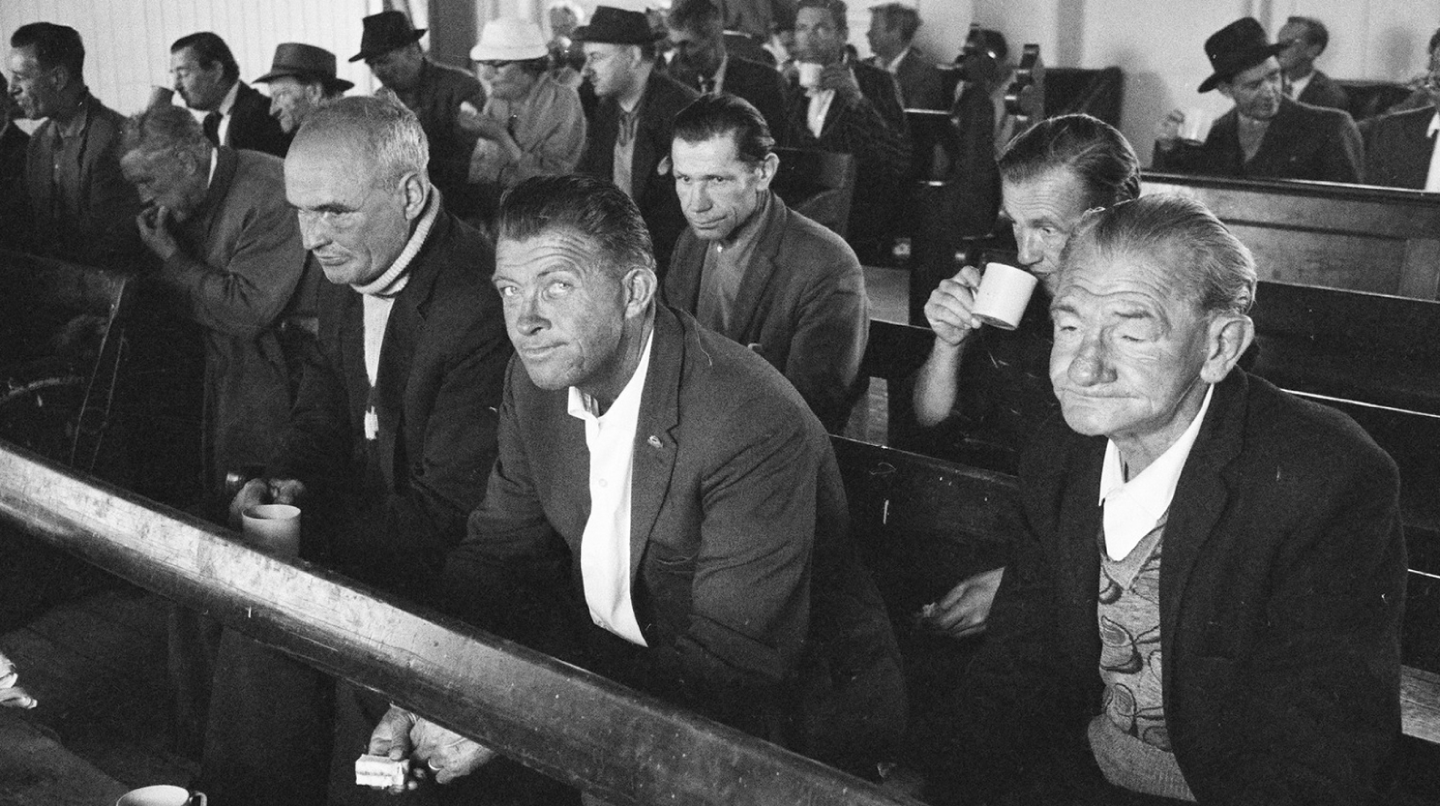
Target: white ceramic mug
column 273, row 527
column 809, row 73
column 160, row 795
column 1004, row 293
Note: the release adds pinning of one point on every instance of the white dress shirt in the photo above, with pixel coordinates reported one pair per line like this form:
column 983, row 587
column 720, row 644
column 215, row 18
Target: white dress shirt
column 1133, row 508
column 227, row 105
column 605, row 543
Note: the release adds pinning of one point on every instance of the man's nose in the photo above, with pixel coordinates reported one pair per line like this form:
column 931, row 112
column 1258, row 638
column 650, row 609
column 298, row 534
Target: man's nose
column 313, row 234
column 1028, row 248
column 699, row 199
column 1091, row 363
column 528, row 317
column 274, row 107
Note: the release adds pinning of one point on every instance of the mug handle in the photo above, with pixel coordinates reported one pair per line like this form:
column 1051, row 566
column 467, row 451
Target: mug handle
column 196, row 799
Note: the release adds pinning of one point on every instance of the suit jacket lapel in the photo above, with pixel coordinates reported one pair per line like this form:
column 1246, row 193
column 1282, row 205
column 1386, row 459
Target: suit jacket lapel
column 757, row 275
column 655, row 445
column 226, row 164
column 1201, row 496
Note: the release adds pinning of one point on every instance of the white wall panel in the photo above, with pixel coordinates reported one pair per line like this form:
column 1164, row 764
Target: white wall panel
column 127, row 42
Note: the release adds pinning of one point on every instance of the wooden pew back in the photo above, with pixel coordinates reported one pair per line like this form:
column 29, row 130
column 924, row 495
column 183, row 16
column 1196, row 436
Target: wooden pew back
column 1380, row 240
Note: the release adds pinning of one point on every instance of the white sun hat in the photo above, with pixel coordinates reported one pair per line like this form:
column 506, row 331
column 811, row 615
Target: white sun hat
column 509, row 40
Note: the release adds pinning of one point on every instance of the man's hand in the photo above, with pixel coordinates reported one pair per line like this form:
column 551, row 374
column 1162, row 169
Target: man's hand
column 1168, row 130
column 12, row 696
column 950, row 307
column 391, row 739
column 264, row 491
column 964, row 609
column 841, row 78
column 446, row 753
column 154, row 226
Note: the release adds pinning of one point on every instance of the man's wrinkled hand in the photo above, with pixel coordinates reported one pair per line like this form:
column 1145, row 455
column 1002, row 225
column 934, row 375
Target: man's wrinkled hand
column 264, row 491
column 841, row 78
column 446, row 753
column 963, row 611
column 950, row 309
column 391, row 739
column 154, row 226
column 11, row 695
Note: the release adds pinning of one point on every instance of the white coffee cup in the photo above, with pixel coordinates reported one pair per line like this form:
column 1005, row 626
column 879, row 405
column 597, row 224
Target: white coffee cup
column 1004, row 293
column 273, row 527
column 1195, row 126
column 160, row 795
column 809, row 73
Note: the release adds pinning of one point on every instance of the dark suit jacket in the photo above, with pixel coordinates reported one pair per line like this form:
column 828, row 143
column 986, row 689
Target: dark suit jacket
column 653, row 192
column 1323, row 91
column 15, row 219
column 102, row 230
column 762, row 86
column 400, row 502
column 737, row 512
column 1303, row 142
column 1398, row 147
column 919, row 81
column 801, row 305
column 251, row 125
column 238, row 267
column 876, row 133
column 1282, row 584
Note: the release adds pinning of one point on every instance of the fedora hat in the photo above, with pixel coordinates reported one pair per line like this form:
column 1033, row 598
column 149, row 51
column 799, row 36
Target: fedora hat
column 385, row 32
column 307, row 62
column 510, row 40
column 617, row 27
column 1238, row 46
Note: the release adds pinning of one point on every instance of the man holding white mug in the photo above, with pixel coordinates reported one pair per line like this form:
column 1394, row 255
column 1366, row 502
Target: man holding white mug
column 989, row 389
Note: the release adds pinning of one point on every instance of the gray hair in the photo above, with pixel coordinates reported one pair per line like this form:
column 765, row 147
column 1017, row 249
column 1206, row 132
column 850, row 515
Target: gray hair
column 1208, row 262
column 386, row 132
column 167, row 131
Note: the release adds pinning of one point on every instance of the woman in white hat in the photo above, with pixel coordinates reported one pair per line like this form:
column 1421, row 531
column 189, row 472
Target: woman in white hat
column 531, row 125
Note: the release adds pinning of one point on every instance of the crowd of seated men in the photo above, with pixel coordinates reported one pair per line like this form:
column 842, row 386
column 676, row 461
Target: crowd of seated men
column 570, row 376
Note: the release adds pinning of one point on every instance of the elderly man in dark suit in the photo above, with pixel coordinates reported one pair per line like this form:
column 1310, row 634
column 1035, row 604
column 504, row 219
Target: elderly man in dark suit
column 207, row 78
column 436, row 93
column 851, row 108
column 1265, row 135
column 1400, row 146
column 84, row 210
column 700, row 59
column 1186, row 517
column 392, row 435
column 891, row 37
column 665, row 511
column 757, row 272
column 629, row 133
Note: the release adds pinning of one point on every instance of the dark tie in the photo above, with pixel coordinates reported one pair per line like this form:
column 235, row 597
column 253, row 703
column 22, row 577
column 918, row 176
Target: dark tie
column 705, row 85
column 212, row 128
column 626, row 132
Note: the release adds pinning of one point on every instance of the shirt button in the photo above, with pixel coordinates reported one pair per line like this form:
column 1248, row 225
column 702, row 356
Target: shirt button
column 604, row 483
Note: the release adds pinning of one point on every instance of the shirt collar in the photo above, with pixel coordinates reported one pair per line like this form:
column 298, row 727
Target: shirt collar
column 228, row 102
column 1434, row 125
column 894, row 66
column 1133, row 508
column 77, row 123
column 719, row 77
column 395, row 278
column 627, row 405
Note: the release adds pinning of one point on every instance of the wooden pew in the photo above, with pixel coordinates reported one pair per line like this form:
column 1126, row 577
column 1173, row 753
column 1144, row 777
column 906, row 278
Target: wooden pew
column 1379, row 240
column 935, row 522
column 561, row 720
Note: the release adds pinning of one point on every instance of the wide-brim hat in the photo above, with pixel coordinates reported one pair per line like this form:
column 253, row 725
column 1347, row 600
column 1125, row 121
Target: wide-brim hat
column 1238, row 46
column 510, row 40
column 385, row 32
column 305, row 62
column 617, row 26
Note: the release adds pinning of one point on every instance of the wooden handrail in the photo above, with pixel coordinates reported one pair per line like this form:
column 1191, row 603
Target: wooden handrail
column 564, row 721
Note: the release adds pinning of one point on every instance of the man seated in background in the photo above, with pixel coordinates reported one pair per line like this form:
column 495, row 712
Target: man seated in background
column 1305, row 38
column 666, row 511
column 891, row 37
column 1189, row 517
column 629, row 133
column 1266, row 135
column 757, row 272
column 392, row 436
column 1400, row 146
column 208, row 80
column 81, row 208
column 532, row 125
column 14, row 143
column 301, row 78
column 852, row 108
column 700, row 59
column 436, row 93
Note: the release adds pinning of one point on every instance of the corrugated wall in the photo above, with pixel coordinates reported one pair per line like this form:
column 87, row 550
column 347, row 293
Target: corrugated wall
column 127, row 42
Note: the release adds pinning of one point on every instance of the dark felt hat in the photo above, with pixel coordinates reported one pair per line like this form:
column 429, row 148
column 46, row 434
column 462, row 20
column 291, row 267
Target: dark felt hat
column 617, row 27
column 1238, row 46
column 385, row 32
column 305, row 62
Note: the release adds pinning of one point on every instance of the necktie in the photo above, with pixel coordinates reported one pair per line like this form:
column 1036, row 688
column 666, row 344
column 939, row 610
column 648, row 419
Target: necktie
column 212, row 128
column 627, row 126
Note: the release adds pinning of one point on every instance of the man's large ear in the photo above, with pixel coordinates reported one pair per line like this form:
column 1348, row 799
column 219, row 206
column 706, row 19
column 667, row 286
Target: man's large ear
column 1228, row 337
column 413, row 189
column 768, row 167
column 640, row 287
